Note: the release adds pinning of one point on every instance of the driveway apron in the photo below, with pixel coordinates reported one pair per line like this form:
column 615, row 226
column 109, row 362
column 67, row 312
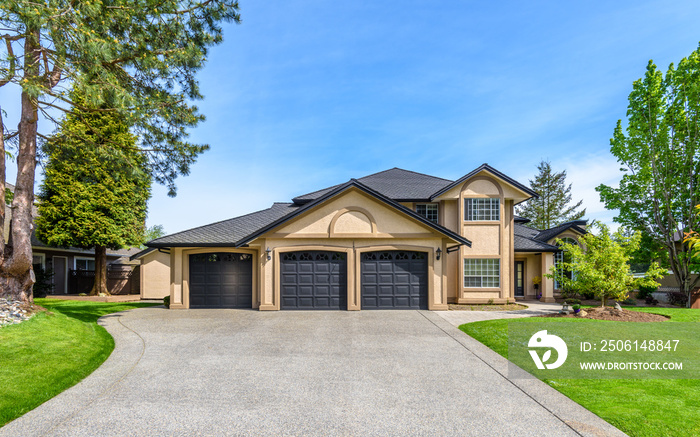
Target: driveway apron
column 239, row 372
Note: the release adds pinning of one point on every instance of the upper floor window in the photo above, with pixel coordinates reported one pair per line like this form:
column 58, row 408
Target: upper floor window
column 428, row 210
column 482, row 209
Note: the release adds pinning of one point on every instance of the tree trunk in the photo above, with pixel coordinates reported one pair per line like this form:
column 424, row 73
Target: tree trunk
column 100, row 285
column 16, row 274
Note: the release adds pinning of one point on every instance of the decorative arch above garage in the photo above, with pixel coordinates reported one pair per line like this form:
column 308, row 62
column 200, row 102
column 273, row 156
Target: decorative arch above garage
column 352, row 220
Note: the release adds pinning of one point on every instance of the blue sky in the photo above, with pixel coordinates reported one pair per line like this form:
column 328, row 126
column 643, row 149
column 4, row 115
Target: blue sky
column 307, row 94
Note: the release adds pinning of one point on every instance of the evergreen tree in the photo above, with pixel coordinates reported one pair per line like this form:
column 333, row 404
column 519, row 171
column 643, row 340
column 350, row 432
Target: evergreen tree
column 552, row 207
column 95, row 190
column 138, row 57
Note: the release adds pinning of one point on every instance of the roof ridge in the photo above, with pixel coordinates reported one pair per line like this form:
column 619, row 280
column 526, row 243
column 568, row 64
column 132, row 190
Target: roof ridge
column 408, row 171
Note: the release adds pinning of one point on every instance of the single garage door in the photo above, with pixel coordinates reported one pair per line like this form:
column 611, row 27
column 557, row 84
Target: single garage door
column 221, row 280
column 313, row 280
column 394, row 279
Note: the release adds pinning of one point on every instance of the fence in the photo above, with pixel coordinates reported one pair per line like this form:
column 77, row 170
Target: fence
column 119, row 281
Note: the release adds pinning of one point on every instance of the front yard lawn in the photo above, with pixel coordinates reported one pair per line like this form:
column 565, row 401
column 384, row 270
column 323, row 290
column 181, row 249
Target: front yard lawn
column 54, row 350
column 639, row 407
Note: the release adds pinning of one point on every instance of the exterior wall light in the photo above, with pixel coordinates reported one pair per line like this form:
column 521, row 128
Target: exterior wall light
column 438, row 253
column 268, row 252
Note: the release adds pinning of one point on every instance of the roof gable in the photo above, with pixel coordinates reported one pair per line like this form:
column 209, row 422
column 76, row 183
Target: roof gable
column 493, row 172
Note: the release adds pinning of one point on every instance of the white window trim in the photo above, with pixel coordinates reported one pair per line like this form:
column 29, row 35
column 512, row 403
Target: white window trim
column 464, row 206
column 437, row 210
column 43, row 259
column 81, row 258
column 500, row 274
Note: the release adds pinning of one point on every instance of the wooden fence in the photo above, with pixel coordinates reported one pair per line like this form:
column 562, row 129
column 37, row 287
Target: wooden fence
column 119, row 281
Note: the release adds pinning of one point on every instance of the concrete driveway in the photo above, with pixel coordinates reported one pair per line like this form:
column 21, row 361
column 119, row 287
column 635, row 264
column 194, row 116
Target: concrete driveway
column 231, row 372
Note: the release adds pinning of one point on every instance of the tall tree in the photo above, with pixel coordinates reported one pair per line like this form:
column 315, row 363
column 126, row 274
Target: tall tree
column 659, row 152
column 95, row 189
column 136, row 57
column 552, row 207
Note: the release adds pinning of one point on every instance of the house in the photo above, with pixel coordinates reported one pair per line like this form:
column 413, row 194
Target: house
column 73, row 268
column 396, row 239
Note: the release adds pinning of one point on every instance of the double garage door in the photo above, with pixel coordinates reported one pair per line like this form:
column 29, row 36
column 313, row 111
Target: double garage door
column 313, row 280
column 388, row 280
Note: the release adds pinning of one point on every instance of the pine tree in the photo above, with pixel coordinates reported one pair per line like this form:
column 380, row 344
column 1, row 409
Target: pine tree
column 552, row 207
column 95, row 190
column 138, row 57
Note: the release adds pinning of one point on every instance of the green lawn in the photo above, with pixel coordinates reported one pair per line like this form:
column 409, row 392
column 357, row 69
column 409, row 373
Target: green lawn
column 43, row 356
column 639, row 407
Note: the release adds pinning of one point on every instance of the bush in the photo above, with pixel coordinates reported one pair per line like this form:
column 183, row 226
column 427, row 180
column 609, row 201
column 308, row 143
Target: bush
column 573, row 301
column 576, row 307
column 166, row 301
column 651, row 301
column 677, row 298
column 44, row 281
column 645, row 292
column 588, row 295
column 629, row 301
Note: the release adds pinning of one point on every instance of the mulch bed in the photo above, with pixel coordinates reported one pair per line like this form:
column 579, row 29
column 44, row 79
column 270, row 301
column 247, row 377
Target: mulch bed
column 612, row 314
column 486, row 307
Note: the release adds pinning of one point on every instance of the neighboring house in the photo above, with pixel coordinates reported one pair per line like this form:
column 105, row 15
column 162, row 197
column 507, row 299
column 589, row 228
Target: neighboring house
column 70, row 264
column 395, row 239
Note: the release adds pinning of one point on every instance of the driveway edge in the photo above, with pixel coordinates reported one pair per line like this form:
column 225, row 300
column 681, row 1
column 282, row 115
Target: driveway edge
column 128, row 349
column 578, row 418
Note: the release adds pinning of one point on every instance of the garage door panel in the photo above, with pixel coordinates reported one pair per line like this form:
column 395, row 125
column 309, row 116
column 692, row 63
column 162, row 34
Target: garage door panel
column 394, row 280
column 318, row 280
column 221, row 280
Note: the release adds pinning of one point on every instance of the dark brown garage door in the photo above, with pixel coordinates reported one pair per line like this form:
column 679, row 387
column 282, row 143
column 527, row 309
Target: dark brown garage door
column 221, row 280
column 394, row 279
column 313, row 280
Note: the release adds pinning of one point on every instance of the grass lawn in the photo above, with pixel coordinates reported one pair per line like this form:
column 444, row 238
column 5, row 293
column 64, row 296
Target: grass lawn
column 43, row 356
column 639, row 407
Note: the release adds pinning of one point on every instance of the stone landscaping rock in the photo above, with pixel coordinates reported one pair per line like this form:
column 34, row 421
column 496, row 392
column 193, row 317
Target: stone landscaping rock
column 581, row 313
column 13, row 312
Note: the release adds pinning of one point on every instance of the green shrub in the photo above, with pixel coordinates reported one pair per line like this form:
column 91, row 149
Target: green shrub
column 576, row 307
column 645, row 292
column 573, row 301
column 629, row 301
column 166, row 301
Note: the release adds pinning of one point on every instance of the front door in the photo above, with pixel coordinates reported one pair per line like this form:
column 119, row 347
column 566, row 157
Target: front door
column 60, row 274
column 519, row 278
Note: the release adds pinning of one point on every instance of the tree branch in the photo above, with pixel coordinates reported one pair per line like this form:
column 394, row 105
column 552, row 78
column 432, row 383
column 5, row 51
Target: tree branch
column 11, row 56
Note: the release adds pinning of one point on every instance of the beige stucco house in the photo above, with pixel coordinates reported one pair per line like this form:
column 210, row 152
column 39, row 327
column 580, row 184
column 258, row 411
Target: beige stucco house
column 392, row 240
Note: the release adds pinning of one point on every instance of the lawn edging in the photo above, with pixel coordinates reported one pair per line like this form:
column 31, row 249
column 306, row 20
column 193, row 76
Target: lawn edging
column 114, row 350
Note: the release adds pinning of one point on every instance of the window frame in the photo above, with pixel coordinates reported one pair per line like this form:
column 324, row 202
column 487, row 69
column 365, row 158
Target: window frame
column 475, row 212
column 482, row 276
column 437, row 211
column 82, row 258
column 43, row 259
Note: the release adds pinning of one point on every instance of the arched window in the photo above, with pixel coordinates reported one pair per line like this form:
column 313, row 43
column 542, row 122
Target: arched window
column 563, row 257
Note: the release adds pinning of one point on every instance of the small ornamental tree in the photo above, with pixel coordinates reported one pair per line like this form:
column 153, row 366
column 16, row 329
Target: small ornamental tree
column 553, row 206
column 95, row 190
column 599, row 265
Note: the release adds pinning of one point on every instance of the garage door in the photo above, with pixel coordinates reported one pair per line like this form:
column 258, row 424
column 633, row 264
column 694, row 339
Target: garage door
column 313, row 280
column 221, row 280
column 394, row 279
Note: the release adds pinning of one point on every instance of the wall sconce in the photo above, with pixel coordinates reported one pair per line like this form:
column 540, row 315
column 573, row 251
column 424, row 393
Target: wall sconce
column 438, row 253
column 268, row 252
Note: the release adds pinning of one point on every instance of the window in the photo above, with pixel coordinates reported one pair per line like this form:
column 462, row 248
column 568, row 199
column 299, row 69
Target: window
column 85, row 264
column 482, row 273
column 428, row 210
column 482, row 209
column 562, row 257
column 39, row 261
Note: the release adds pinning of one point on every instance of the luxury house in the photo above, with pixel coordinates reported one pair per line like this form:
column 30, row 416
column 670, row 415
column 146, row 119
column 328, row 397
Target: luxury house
column 391, row 240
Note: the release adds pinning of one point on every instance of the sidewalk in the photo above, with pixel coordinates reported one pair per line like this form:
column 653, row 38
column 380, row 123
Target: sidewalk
column 534, row 308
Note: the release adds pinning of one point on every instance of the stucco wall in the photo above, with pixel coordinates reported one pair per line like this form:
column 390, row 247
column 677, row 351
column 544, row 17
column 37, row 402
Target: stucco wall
column 155, row 275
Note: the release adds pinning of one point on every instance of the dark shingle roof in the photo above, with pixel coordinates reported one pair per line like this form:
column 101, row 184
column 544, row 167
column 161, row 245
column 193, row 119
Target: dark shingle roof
column 548, row 234
column 226, row 232
column 396, row 184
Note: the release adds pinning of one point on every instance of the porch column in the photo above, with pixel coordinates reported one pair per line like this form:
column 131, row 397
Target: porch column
column 547, row 283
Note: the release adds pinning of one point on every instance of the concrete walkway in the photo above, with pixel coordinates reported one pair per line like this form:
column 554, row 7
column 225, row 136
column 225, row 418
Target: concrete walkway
column 534, row 308
column 233, row 372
